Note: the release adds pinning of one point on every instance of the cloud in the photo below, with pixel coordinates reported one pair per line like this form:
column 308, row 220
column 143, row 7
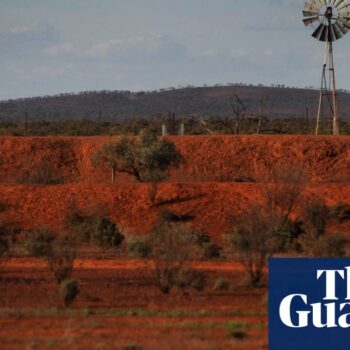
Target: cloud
column 24, row 40
column 139, row 48
column 60, row 49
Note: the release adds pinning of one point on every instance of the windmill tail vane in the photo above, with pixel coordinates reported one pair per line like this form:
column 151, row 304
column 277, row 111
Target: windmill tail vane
column 330, row 20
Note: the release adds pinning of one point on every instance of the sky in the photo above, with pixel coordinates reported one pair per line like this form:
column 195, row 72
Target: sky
column 49, row 46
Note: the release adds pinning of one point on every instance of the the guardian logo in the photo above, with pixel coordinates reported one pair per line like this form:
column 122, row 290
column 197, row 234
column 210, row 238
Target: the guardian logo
column 309, row 304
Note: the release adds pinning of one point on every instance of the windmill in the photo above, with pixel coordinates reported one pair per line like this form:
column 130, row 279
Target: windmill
column 331, row 21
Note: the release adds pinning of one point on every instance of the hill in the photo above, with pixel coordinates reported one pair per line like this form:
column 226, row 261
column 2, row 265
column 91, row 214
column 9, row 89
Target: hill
column 190, row 101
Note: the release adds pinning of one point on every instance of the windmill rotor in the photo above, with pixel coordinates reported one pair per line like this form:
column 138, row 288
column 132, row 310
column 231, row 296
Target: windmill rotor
column 330, row 18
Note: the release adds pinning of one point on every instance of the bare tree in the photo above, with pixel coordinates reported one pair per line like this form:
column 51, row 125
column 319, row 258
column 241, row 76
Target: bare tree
column 265, row 229
column 261, row 107
column 239, row 110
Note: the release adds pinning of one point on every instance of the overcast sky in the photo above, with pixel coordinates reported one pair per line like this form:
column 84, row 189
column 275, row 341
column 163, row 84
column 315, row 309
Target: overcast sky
column 54, row 46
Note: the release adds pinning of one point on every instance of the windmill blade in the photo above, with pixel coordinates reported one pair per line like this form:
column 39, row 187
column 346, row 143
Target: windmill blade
column 324, row 34
column 344, row 23
column 308, row 21
column 312, row 7
column 341, row 27
column 343, row 7
column 337, row 33
column 319, row 3
column 316, row 34
column 331, row 34
column 338, row 2
column 309, row 13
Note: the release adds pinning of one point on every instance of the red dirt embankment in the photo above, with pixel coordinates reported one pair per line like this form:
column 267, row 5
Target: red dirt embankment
column 209, row 158
column 212, row 204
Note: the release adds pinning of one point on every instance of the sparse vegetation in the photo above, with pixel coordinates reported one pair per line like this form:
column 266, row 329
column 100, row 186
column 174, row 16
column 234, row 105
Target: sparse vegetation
column 95, row 229
column 146, row 158
column 69, row 290
column 314, row 240
column 236, row 330
column 59, row 250
column 221, row 285
column 172, row 246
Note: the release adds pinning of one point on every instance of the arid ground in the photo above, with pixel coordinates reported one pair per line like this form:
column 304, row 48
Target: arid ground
column 118, row 306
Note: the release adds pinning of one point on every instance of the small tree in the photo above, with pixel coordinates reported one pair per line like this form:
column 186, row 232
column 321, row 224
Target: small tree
column 171, row 247
column 58, row 250
column 95, row 229
column 265, row 229
column 314, row 240
column 69, row 289
column 261, row 234
column 147, row 158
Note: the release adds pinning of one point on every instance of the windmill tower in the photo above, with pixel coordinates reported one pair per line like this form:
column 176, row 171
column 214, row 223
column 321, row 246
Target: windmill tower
column 331, row 20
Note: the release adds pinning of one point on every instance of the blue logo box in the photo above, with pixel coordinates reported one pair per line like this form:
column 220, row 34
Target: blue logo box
column 309, row 304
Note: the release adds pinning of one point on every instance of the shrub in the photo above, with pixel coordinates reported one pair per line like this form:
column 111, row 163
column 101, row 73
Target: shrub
column 341, row 212
column 139, row 248
column 221, row 284
column 58, row 250
column 172, row 245
column 332, row 246
column 62, row 256
column 186, row 278
column 95, row 229
column 39, row 242
column 105, row 233
column 212, row 251
column 69, row 290
column 236, row 330
column 260, row 235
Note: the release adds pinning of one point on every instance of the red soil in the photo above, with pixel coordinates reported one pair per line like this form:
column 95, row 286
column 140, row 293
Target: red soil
column 209, row 158
column 213, row 204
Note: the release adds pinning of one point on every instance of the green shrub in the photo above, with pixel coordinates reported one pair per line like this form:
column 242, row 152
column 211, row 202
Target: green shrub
column 95, row 229
column 58, row 250
column 105, row 233
column 139, row 249
column 236, row 330
column 212, row 251
column 69, row 290
column 189, row 279
column 173, row 245
column 332, row 246
column 221, row 284
column 38, row 243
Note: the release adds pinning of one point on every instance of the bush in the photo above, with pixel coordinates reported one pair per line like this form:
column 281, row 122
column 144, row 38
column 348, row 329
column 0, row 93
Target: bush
column 189, row 279
column 57, row 249
column 105, row 233
column 236, row 330
column 39, row 242
column 221, row 284
column 212, row 251
column 95, row 229
column 332, row 246
column 69, row 290
column 172, row 246
column 139, row 249
column 341, row 212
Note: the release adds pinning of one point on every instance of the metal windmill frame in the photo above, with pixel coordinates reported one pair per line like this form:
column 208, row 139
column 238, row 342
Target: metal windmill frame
column 333, row 19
